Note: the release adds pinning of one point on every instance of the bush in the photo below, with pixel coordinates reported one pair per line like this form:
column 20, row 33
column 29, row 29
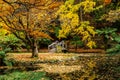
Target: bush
column 7, row 41
column 115, row 49
column 16, row 75
column 3, row 59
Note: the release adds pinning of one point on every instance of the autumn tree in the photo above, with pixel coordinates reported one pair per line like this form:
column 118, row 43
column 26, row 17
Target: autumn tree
column 112, row 15
column 110, row 25
column 72, row 22
column 28, row 19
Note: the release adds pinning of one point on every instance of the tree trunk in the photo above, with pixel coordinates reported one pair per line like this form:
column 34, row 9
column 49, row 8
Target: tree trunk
column 1, row 61
column 75, row 47
column 35, row 49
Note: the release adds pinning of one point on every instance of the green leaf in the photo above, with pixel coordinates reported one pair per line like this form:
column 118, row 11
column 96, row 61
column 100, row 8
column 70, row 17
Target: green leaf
column 8, row 63
column 2, row 54
column 106, row 36
column 117, row 39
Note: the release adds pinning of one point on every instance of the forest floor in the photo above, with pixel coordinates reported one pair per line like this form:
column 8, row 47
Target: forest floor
column 53, row 62
column 63, row 65
column 46, row 61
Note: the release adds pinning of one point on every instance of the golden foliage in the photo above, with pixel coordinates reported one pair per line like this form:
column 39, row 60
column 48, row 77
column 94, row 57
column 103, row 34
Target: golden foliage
column 88, row 5
column 70, row 21
column 3, row 32
column 37, row 34
column 32, row 1
column 27, row 19
column 87, row 32
column 106, row 2
column 5, row 8
column 112, row 15
column 55, row 5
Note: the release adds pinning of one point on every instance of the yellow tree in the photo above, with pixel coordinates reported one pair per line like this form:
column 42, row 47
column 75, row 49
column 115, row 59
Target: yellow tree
column 72, row 23
column 28, row 19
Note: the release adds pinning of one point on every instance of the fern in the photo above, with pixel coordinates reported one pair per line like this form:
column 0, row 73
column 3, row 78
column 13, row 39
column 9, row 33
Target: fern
column 115, row 49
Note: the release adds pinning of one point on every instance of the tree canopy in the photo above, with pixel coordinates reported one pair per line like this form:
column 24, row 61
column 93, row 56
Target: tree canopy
column 31, row 20
column 28, row 19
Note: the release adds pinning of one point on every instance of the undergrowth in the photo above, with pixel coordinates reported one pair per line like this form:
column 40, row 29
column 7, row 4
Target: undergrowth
column 16, row 75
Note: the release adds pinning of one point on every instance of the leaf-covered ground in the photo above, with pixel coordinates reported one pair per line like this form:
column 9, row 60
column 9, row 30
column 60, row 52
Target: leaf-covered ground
column 69, row 66
column 50, row 62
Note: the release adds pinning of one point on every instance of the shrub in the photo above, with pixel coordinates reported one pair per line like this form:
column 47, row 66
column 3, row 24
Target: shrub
column 16, row 75
column 3, row 59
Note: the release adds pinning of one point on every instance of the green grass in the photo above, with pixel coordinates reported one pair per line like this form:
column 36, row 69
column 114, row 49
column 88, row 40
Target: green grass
column 24, row 76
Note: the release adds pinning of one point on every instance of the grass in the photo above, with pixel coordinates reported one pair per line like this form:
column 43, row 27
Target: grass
column 17, row 75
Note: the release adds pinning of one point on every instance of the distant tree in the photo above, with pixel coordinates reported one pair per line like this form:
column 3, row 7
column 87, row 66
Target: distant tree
column 28, row 19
